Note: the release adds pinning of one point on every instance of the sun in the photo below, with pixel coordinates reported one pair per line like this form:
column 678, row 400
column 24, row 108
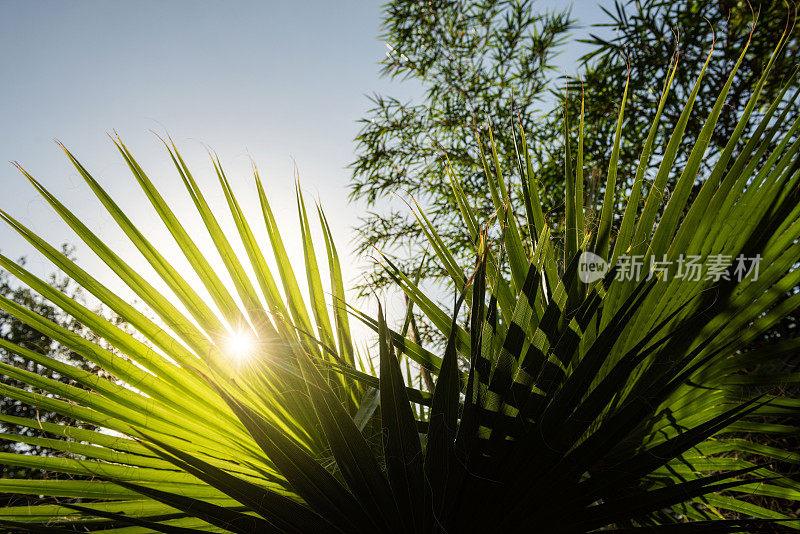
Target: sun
column 240, row 345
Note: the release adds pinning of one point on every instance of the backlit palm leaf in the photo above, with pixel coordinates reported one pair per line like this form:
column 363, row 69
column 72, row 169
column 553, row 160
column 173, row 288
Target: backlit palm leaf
column 173, row 400
column 616, row 403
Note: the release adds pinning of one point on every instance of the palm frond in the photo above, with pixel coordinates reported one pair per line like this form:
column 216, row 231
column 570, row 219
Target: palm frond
column 630, row 400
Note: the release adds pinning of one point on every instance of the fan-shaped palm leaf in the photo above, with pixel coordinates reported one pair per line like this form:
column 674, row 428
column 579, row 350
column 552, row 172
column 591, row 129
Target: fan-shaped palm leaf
column 624, row 402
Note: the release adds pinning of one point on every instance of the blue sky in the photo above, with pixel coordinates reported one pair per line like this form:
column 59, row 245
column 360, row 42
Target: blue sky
column 281, row 82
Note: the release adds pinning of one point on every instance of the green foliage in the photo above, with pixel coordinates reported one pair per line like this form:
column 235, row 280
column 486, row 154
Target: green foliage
column 645, row 34
column 486, row 60
column 401, row 145
column 563, row 405
column 23, row 439
column 154, row 375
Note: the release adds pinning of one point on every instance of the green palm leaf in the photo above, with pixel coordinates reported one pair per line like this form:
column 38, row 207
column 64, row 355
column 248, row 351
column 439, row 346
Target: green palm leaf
column 562, row 405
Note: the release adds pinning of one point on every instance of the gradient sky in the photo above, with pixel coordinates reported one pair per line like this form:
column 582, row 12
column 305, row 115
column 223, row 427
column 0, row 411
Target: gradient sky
column 281, row 82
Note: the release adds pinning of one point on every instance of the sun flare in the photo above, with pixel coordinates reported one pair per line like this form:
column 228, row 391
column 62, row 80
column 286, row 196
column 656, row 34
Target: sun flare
column 240, row 345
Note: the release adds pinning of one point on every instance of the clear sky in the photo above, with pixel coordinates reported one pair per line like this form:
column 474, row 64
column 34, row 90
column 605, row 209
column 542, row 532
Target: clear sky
column 278, row 81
